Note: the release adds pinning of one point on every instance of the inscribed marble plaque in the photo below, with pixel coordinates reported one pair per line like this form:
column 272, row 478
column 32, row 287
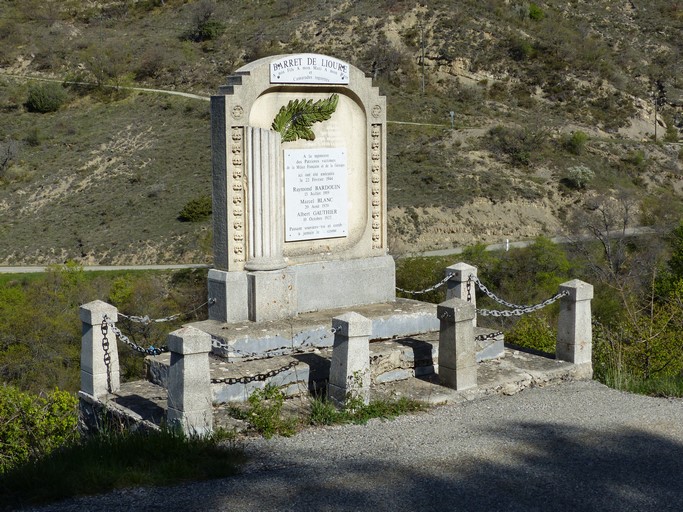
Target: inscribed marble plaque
column 315, row 194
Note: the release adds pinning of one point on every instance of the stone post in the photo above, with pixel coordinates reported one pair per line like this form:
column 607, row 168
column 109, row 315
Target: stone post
column 350, row 365
column 457, row 352
column 99, row 354
column 456, row 286
column 189, row 385
column 574, row 329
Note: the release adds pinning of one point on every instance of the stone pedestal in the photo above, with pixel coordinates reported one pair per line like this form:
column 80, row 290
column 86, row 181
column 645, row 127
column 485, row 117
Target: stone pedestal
column 457, row 350
column 100, row 373
column 574, row 329
column 189, row 385
column 350, row 365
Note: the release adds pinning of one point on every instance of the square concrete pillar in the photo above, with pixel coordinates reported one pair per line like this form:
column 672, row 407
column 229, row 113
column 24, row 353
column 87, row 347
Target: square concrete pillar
column 100, row 372
column 457, row 350
column 350, row 365
column 574, row 329
column 458, row 284
column 189, row 383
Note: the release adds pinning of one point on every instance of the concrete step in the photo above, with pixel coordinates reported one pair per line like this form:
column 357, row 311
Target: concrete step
column 305, row 371
column 142, row 404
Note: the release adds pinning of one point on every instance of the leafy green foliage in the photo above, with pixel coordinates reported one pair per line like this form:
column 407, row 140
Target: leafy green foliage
column 294, row 121
column 32, row 426
column 576, row 142
column 40, row 332
column 196, row 210
column 534, row 332
column 535, row 12
column 264, row 413
column 45, row 97
column 324, row 412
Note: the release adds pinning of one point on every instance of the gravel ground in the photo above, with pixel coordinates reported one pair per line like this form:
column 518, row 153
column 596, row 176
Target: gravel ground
column 578, row 446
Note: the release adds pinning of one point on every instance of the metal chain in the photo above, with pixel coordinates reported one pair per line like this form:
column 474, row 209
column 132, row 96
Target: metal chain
column 105, row 349
column 489, row 336
column 146, row 320
column 491, row 295
column 252, row 378
column 516, row 309
column 427, row 290
column 151, row 351
column 521, row 310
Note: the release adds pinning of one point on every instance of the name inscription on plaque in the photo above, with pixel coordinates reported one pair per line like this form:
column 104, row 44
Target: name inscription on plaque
column 315, row 194
column 309, row 68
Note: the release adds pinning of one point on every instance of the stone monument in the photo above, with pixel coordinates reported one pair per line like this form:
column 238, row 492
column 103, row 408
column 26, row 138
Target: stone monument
column 299, row 190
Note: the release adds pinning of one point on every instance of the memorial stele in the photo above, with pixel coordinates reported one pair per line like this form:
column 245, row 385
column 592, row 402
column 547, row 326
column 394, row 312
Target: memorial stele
column 299, row 190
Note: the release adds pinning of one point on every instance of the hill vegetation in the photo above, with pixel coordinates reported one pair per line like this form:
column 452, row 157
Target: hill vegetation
column 553, row 106
column 566, row 118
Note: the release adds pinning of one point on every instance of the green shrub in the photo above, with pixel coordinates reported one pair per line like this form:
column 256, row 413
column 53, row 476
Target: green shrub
column 45, row 97
column 32, row 426
column 196, row 210
column 533, row 332
column 264, row 413
column 535, row 12
column 576, row 142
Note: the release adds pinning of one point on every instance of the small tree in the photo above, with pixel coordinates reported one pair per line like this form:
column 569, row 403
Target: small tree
column 579, row 176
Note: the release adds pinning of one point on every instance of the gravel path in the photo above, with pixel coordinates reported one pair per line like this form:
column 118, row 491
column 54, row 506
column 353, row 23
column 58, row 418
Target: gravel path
column 577, row 446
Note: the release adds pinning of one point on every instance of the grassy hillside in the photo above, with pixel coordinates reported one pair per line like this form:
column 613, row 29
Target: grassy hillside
column 552, row 100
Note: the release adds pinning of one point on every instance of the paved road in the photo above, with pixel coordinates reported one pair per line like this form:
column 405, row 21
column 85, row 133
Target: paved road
column 577, row 447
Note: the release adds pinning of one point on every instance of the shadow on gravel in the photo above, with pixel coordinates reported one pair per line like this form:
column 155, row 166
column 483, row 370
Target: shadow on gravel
column 526, row 467
column 544, row 468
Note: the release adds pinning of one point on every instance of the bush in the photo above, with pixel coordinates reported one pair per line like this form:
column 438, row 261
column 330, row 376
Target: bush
column 576, row 143
column 32, row 426
column 579, row 176
column 533, row 332
column 205, row 27
column 45, row 97
column 535, row 12
column 519, row 144
column 196, row 210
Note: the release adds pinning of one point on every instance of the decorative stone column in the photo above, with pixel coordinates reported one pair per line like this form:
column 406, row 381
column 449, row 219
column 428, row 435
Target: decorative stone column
column 456, row 286
column 265, row 200
column 189, row 383
column 457, row 352
column 574, row 329
column 350, row 365
column 100, row 373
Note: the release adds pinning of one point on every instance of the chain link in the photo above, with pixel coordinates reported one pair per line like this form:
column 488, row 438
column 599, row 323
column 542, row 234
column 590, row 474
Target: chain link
column 261, row 377
column 105, row 348
column 521, row 310
column 146, row 320
column 151, row 351
column 489, row 336
column 427, row 290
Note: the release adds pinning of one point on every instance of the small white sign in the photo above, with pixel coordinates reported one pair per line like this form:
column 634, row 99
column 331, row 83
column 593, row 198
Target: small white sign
column 315, row 194
column 309, row 68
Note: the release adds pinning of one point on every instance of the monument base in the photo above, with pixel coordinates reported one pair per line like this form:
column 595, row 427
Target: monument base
column 261, row 296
